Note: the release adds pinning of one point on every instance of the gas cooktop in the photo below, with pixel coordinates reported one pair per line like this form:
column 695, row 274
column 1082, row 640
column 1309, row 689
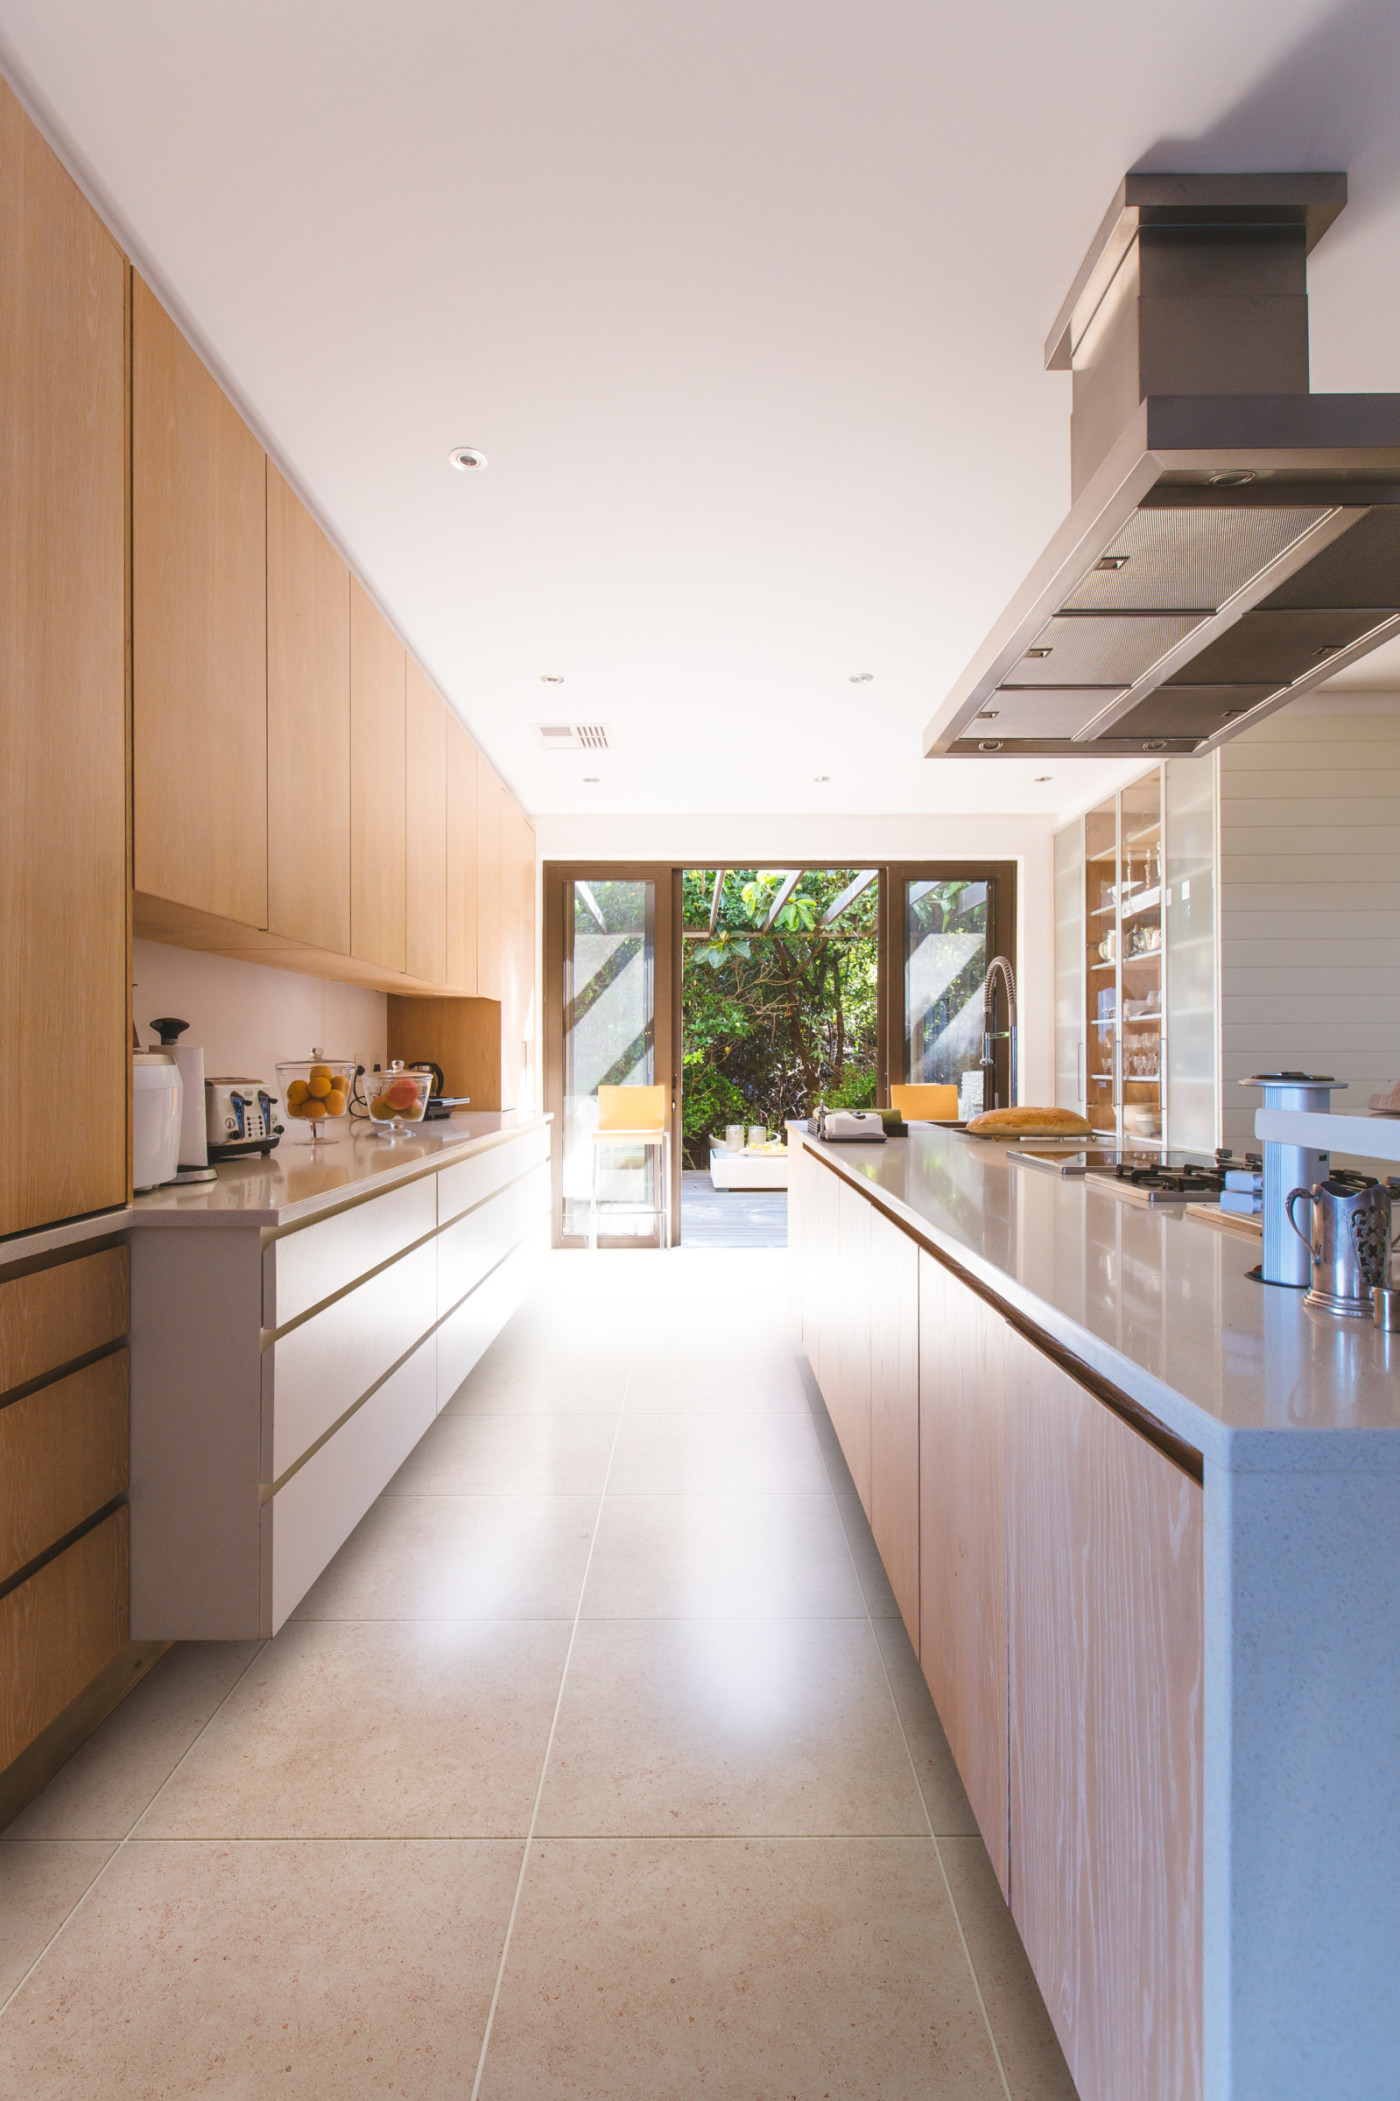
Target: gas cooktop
column 1158, row 1177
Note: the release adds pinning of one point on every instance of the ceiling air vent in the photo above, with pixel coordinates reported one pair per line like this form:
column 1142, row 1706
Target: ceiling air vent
column 572, row 736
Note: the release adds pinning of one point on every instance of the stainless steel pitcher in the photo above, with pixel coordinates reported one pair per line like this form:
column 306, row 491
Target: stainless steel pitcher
column 1349, row 1242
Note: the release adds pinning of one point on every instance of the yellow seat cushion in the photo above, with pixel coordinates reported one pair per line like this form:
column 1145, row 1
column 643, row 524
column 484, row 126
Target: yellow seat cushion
column 632, row 1108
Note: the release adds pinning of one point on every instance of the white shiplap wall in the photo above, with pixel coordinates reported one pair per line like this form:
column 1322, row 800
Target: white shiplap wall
column 1310, row 901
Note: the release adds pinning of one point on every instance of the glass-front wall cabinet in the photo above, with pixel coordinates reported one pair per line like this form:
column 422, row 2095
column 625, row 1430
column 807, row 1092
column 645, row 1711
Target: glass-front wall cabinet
column 1115, row 974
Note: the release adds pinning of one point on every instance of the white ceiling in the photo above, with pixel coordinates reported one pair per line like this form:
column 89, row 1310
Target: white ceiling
column 744, row 300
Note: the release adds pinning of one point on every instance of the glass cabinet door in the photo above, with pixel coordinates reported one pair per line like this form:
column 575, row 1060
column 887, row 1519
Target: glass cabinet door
column 1101, row 967
column 1140, row 957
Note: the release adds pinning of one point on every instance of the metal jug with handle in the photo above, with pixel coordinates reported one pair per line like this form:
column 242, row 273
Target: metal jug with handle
column 1349, row 1243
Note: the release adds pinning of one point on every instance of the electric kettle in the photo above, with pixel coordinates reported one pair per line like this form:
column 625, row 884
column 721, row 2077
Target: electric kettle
column 1349, row 1243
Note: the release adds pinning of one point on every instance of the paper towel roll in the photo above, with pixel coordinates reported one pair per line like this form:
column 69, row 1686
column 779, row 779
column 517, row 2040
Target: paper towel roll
column 194, row 1142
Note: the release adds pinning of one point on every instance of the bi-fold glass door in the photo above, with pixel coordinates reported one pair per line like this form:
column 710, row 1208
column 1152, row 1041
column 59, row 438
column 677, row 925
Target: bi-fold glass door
column 610, row 998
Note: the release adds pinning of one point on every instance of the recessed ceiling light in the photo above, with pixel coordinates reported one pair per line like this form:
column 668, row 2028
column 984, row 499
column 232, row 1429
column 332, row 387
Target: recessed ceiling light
column 861, row 678
column 820, row 777
column 466, row 458
column 990, row 744
column 1155, row 744
column 551, row 678
column 591, row 780
column 1231, row 478
column 1042, row 778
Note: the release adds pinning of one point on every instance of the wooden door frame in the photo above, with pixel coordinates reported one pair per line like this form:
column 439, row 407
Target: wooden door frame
column 666, row 1005
column 1000, row 876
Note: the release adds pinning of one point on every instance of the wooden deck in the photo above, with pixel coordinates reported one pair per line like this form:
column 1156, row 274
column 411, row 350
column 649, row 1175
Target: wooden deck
column 713, row 1217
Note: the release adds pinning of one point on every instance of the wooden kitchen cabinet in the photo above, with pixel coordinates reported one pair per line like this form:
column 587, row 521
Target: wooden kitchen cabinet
column 462, row 873
column 378, row 747
column 490, row 797
column 63, row 842
column 308, row 726
column 962, row 1537
column 852, row 1419
column 894, row 1412
column 426, row 802
column 199, row 631
column 1104, row 1560
column 517, row 947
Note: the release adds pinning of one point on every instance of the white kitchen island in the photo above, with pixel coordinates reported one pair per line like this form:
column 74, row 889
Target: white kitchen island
column 295, row 1328
column 1142, row 1517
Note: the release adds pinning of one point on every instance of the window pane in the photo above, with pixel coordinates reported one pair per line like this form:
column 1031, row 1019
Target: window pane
column 945, row 961
column 609, row 1041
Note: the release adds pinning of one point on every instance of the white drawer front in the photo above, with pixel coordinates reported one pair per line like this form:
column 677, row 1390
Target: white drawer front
column 476, row 1243
column 472, row 1181
column 466, row 1335
column 315, row 1373
column 302, row 1268
column 307, row 1522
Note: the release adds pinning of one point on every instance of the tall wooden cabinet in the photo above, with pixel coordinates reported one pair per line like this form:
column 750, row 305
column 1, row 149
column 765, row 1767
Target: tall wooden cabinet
column 426, row 776
column 463, row 874
column 63, row 944
column 378, row 837
column 308, row 727
column 199, row 631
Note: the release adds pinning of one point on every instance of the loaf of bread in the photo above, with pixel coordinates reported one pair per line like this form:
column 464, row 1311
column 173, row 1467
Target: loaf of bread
column 1019, row 1123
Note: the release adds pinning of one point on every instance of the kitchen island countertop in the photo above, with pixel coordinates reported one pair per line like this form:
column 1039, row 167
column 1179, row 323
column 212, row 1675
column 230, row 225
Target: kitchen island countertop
column 1157, row 1303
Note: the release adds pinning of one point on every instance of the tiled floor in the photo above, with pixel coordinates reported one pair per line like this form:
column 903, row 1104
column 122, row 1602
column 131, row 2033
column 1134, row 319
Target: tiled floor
column 597, row 1766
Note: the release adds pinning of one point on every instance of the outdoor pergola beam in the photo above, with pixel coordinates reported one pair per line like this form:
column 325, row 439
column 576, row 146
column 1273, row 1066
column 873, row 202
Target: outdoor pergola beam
column 789, row 884
column 715, row 900
column 849, row 895
column 591, row 903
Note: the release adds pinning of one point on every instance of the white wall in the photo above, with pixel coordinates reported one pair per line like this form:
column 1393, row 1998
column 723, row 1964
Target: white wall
column 1310, row 900
column 854, row 841
column 247, row 1016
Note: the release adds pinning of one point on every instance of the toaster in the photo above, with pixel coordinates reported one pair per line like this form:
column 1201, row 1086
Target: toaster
column 240, row 1116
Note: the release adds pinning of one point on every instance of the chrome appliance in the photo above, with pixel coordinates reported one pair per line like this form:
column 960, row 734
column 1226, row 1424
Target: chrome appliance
column 1349, row 1243
column 1289, row 1167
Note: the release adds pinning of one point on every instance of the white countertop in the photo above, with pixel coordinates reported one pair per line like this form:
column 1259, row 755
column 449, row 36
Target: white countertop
column 1157, row 1303
column 291, row 1186
column 288, row 1188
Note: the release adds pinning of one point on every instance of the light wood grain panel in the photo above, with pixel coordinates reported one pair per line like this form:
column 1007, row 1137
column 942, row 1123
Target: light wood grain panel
column 59, row 1629
column 63, row 841
column 490, row 800
column 308, row 726
column 427, row 828
column 63, row 1454
column 378, row 756
column 894, row 1412
column 1104, row 1545
column 463, row 1036
column 517, row 948
column 852, row 1420
column 962, row 1538
column 51, row 1317
column 199, row 630
column 462, row 874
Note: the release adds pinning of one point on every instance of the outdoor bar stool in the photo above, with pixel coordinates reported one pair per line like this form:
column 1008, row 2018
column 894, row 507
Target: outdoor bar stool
column 634, row 1116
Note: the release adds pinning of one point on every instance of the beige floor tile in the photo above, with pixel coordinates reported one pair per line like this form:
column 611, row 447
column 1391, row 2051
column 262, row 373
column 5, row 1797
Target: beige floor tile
column 666, row 1380
column 949, row 1810
column 747, row 1971
column 879, row 1598
column 346, row 1972
column 706, row 1454
column 568, row 1376
column 459, row 1557
column 109, row 1781
column 721, row 1556
column 415, row 1729
column 1030, row 2053
column 39, row 1885
column 465, row 1454
column 727, row 1726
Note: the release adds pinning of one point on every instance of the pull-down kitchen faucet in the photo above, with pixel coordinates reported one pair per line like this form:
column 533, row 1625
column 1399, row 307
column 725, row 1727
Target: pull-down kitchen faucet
column 991, row 1035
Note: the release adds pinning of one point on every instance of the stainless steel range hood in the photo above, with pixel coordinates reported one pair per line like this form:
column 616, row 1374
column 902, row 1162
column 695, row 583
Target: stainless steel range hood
column 1233, row 540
